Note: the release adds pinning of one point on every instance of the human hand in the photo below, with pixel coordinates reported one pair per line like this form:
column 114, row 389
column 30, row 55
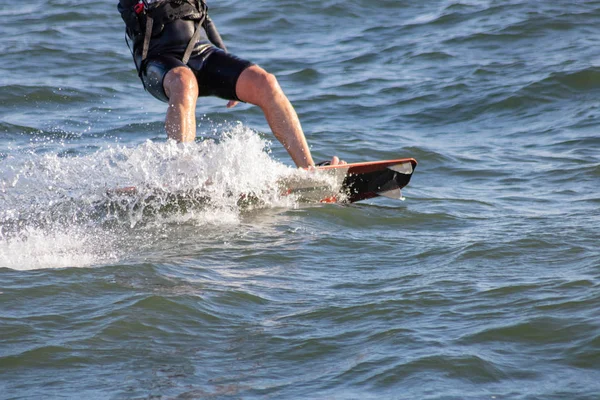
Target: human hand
column 232, row 103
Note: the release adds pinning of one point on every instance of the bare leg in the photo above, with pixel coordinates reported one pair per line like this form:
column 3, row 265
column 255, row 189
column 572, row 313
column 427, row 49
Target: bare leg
column 256, row 86
column 182, row 89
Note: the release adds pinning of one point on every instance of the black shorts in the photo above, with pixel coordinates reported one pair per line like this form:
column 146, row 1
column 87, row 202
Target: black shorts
column 217, row 73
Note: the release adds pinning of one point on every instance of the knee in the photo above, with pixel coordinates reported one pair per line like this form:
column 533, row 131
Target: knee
column 181, row 85
column 271, row 84
column 259, row 87
column 267, row 84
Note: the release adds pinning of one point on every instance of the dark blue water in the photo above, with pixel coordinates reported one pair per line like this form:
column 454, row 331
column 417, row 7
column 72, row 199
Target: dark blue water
column 483, row 284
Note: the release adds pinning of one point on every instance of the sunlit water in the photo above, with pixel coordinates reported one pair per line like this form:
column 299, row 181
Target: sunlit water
column 484, row 283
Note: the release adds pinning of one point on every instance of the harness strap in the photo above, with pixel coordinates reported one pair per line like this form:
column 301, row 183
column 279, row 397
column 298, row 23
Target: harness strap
column 192, row 43
column 201, row 5
column 147, row 37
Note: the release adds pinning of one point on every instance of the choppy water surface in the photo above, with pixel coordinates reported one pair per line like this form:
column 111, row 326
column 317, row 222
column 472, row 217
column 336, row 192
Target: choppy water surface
column 483, row 284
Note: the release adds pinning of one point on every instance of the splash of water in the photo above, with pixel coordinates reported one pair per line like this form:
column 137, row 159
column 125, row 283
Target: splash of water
column 58, row 211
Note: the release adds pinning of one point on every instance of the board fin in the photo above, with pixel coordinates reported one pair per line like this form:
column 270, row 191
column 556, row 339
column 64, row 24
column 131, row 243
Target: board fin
column 395, row 194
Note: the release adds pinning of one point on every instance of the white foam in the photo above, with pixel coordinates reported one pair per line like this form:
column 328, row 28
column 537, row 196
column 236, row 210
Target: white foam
column 38, row 248
column 57, row 211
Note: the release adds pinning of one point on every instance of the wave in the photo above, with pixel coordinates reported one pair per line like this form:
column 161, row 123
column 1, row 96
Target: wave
column 459, row 101
column 21, row 95
column 563, row 83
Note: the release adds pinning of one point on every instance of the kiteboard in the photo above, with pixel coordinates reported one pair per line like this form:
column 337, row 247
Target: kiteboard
column 341, row 183
column 349, row 183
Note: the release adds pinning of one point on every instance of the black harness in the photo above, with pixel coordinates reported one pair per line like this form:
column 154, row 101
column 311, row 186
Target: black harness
column 149, row 20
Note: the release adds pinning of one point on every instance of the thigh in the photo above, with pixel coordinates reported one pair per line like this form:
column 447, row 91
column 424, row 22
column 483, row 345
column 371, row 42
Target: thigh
column 217, row 73
column 154, row 72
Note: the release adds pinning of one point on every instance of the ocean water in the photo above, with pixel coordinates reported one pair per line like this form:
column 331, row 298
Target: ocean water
column 483, row 284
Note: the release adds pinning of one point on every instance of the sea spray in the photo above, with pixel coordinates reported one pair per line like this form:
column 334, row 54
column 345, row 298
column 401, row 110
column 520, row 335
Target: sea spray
column 60, row 211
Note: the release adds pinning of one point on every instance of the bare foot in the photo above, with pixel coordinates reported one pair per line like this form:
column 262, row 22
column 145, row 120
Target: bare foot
column 336, row 161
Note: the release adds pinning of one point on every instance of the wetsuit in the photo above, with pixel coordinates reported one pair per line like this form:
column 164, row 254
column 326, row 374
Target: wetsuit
column 216, row 70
